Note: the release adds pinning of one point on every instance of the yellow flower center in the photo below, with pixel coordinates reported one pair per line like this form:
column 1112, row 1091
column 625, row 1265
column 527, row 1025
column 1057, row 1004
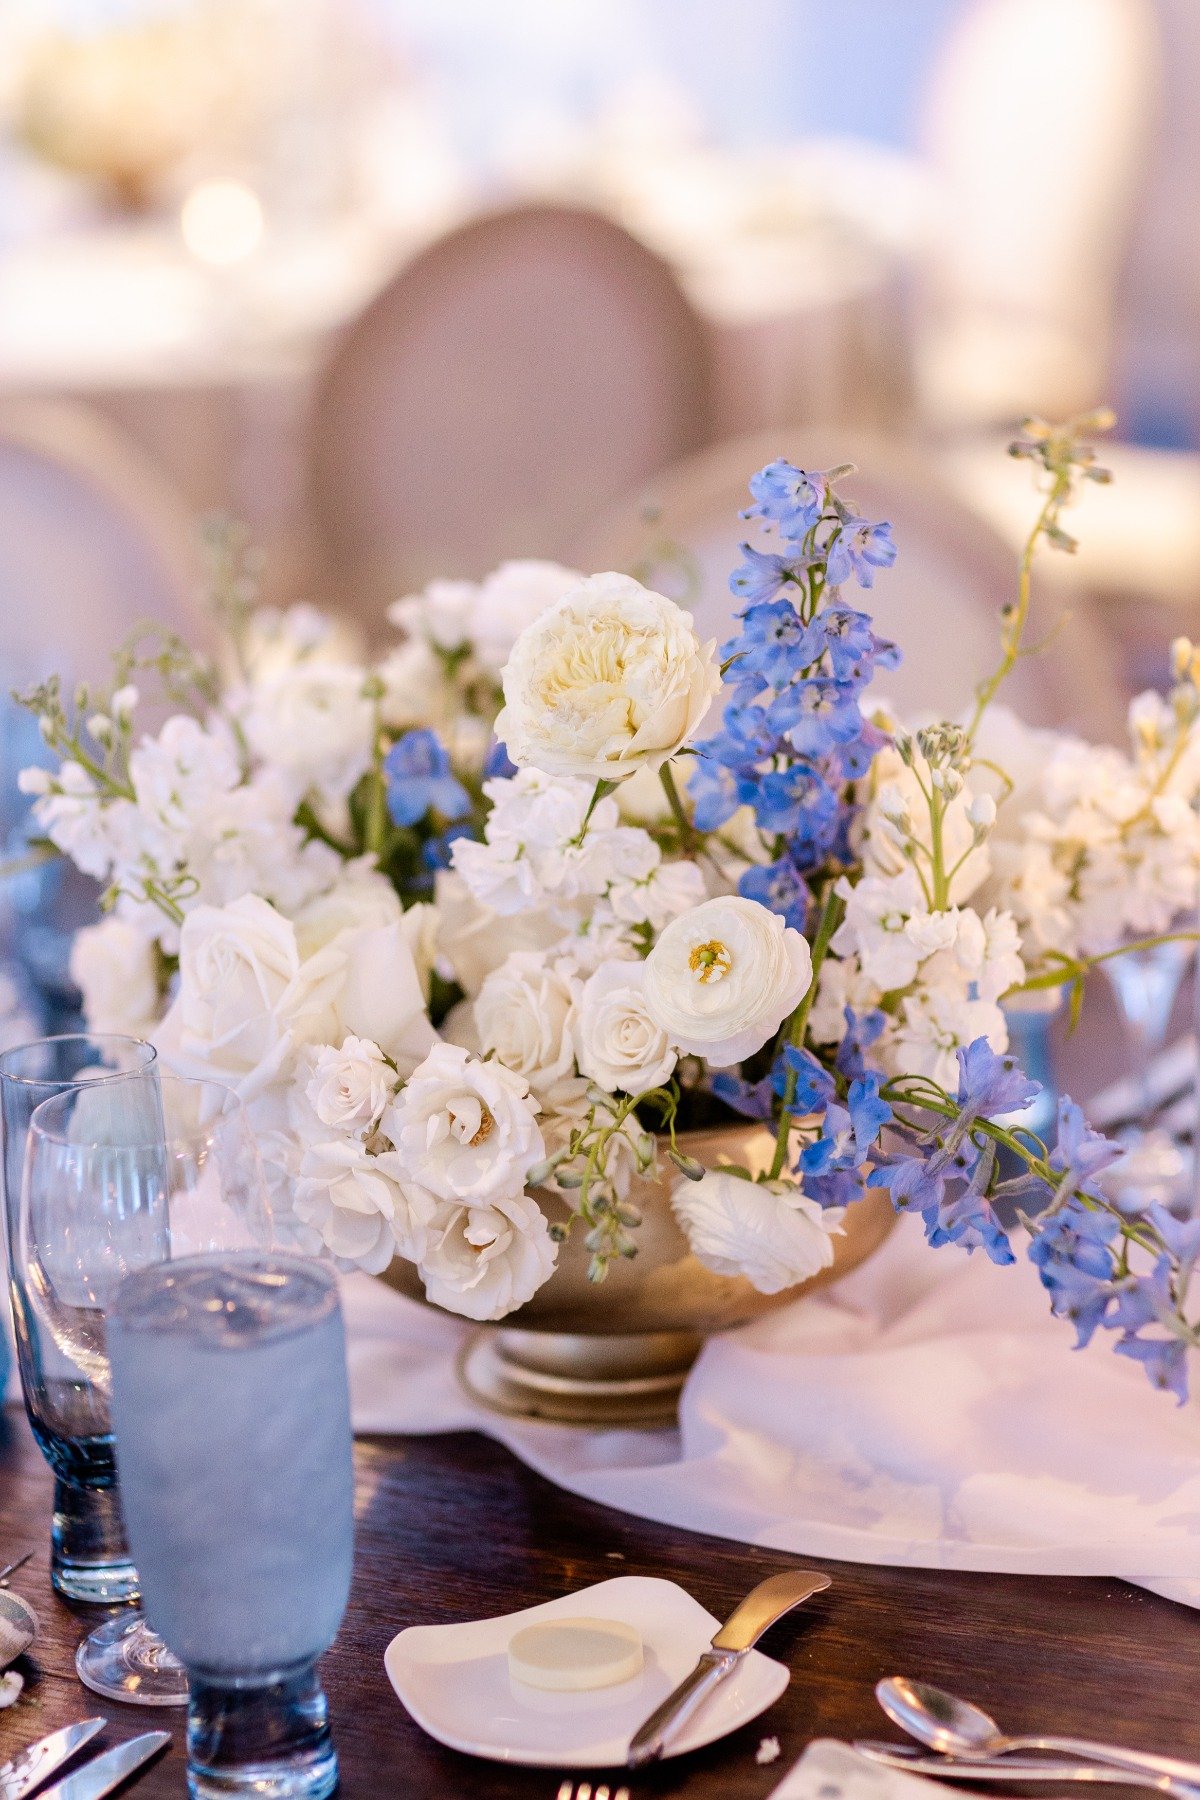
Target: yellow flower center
column 711, row 961
column 486, row 1123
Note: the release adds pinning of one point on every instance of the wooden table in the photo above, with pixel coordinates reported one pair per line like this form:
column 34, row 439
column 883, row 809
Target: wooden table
column 455, row 1528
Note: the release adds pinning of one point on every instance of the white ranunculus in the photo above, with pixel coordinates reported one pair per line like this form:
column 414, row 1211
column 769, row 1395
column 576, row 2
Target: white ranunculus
column 769, row 1232
column 618, row 1044
column 484, row 1261
column 245, row 1002
column 349, row 1084
column 523, row 1016
column 723, row 977
column 115, row 968
column 465, row 1130
column 609, row 680
column 354, row 1204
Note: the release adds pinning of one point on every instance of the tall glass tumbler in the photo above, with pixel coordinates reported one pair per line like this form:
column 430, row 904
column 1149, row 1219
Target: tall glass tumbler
column 231, row 1406
column 89, row 1557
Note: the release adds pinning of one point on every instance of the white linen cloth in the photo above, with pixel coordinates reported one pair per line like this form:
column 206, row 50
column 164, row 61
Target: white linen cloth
column 927, row 1410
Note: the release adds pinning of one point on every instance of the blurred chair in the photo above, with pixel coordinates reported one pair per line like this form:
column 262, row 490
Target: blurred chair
column 941, row 601
column 525, row 370
column 1036, row 125
column 93, row 543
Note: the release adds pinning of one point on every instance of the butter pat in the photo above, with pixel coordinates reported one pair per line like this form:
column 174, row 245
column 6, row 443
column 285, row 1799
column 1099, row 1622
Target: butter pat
column 567, row 1656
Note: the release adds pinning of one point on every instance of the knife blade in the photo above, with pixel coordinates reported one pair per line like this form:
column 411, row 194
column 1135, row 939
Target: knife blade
column 763, row 1605
column 1001, row 1768
column 109, row 1770
column 23, row 1773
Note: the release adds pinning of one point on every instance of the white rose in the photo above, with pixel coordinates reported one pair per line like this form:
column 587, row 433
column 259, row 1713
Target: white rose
column 767, row 1231
column 611, row 678
column 315, row 722
column 484, row 1261
column 381, row 995
column 114, row 967
column 619, row 1044
column 360, row 898
column 510, row 599
column 523, row 1015
column 355, row 1205
column 472, row 940
column 349, row 1086
column 466, row 1130
column 724, row 977
column 245, row 1002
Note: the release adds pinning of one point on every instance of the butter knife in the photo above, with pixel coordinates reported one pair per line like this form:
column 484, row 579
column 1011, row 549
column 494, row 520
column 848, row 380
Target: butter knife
column 108, row 1771
column 27, row 1771
column 736, row 1638
column 1013, row 1769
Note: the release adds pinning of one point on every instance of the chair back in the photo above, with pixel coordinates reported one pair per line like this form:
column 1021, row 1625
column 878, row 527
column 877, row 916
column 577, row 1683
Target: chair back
column 526, row 369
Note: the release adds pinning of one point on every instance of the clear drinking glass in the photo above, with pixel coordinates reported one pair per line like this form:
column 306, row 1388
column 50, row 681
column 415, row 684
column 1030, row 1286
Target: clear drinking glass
column 232, row 1411
column 89, row 1557
column 118, row 1176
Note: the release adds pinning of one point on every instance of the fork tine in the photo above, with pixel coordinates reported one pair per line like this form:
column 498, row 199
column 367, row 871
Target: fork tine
column 602, row 1792
column 566, row 1790
column 584, row 1791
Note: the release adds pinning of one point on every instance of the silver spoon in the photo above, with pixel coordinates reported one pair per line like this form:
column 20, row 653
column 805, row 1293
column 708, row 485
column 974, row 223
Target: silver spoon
column 957, row 1728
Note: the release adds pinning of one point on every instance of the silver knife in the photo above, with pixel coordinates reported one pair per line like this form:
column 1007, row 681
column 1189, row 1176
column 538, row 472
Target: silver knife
column 736, row 1638
column 109, row 1770
column 27, row 1771
column 1008, row 1768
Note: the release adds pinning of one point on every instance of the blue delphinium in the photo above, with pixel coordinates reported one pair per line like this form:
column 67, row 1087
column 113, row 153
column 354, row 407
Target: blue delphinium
column 420, row 780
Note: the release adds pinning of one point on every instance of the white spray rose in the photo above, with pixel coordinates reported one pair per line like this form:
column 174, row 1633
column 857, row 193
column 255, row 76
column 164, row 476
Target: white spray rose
column 619, row 1044
column 723, row 978
column 610, row 679
column 115, row 969
column 355, row 1205
column 484, row 1261
column 466, row 1130
column 246, row 1002
column 523, row 1016
column 769, row 1232
column 349, row 1085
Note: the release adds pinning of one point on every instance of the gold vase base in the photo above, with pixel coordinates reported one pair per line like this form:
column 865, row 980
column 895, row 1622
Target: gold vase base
column 633, row 1379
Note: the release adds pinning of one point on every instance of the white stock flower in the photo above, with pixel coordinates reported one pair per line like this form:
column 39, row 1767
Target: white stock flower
column 115, row 969
column 935, row 1025
column 245, row 1002
column 440, row 614
column 466, row 1130
column 721, row 979
column 356, row 1206
column 484, row 1261
column 315, row 723
column 537, row 853
column 349, row 1084
column 611, row 678
column 76, row 819
column 618, row 1044
column 669, row 889
column 511, row 598
column 876, row 928
column 181, row 771
column 769, row 1232
column 841, row 984
column 523, row 1016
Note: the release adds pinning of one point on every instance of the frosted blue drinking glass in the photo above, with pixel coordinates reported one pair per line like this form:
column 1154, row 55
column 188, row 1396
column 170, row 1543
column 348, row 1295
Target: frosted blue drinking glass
column 232, row 1414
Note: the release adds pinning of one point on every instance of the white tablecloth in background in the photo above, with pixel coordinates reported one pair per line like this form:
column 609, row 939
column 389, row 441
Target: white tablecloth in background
column 927, row 1411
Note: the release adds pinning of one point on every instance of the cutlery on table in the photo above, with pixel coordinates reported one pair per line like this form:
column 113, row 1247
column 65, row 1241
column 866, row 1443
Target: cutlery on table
column 956, row 1728
column 1015, row 1769
column 12, row 1567
column 107, row 1771
column 28, row 1770
column 763, row 1605
column 584, row 1790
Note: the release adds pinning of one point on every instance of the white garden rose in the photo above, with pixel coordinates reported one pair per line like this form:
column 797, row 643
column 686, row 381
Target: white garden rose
column 722, row 979
column 770, row 1232
column 115, row 968
column 349, row 1084
column 484, row 1261
column 609, row 680
column 618, row 1044
column 523, row 1016
column 465, row 1130
column 356, row 1206
column 245, row 1002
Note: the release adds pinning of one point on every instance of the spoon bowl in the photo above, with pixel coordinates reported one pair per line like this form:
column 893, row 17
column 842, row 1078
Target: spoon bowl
column 934, row 1717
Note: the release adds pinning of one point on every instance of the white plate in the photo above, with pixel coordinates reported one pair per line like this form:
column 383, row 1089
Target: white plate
column 454, row 1681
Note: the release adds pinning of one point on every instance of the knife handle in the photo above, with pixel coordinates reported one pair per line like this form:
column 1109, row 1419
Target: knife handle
column 650, row 1739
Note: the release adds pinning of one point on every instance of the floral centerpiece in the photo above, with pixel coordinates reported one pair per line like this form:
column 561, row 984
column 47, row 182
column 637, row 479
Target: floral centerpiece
column 480, row 932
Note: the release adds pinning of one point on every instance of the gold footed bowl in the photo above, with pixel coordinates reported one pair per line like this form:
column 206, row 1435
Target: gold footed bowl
column 617, row 1352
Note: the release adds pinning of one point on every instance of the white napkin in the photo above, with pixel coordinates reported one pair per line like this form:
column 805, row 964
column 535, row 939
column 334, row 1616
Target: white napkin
column 927, row 1410
column 830, row 1770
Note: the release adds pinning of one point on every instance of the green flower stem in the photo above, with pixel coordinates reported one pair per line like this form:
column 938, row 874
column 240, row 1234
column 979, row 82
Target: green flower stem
column 1015, row 624
column 793, row 1032
column 1076, row 967
column 689, row 837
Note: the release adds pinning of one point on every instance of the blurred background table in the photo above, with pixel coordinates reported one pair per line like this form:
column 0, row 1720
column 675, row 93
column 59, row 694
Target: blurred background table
column 1105, row 1654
